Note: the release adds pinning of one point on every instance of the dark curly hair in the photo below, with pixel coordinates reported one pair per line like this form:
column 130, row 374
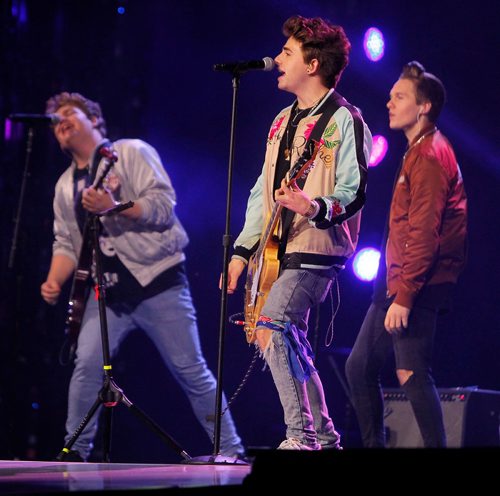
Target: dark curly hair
column 428, row 87
column 89, row 107
column 323, row 41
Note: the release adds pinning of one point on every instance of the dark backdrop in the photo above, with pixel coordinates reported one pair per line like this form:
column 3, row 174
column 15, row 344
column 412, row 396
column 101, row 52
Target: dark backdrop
column 151, row 69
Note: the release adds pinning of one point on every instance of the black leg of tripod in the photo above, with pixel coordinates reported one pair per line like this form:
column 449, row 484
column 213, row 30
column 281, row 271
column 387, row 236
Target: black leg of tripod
column 67, row 447
column 110, row 394
column 106, row 440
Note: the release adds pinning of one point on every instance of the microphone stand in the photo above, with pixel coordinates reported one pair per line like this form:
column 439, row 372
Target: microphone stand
column 110, row 395
column 216, row 458
column 17, row 219
column 10, row 308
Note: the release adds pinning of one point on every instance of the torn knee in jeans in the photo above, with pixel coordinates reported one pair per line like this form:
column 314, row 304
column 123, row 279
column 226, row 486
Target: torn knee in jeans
column 264, row 332
column 403, row 375
column 296, row 348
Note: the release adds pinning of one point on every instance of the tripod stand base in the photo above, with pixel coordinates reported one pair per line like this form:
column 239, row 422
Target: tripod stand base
column 69, row 456
column 216, row 460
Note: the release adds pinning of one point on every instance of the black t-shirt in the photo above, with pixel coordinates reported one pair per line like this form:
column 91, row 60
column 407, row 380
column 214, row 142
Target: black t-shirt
column 123, row 291
column 283, row 161
column 81, row 180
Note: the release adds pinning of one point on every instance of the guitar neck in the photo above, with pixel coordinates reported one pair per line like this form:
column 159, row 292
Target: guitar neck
column 301, row 168
column 105, row 171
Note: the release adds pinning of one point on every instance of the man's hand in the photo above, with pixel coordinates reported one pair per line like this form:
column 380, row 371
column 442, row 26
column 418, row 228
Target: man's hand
column 292, row 197
column 396, row 318
column 236, row 267
column 61, row 268
column 50, row 291
column 97, row 201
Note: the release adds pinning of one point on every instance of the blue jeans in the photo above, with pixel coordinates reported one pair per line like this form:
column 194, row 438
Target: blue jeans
column 413, row 351
column 305, row 411
column 169, row 320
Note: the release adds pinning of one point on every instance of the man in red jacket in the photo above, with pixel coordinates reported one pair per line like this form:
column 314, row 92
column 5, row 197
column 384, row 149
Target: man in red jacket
column 425, row 252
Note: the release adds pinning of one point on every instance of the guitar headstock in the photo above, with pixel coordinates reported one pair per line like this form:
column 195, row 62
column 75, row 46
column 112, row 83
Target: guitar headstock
column 109, row 153
column 305, row 162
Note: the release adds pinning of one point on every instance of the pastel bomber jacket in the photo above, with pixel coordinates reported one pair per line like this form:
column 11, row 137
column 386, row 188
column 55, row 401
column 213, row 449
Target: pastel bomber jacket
column 337, row 181
column 428, row 220
column 146, row 246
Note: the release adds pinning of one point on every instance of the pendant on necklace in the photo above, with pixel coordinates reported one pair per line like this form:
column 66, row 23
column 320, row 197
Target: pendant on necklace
column 287, row 154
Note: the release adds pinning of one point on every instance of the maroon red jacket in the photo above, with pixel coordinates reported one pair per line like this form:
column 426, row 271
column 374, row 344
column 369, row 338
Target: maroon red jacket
column 428, row 219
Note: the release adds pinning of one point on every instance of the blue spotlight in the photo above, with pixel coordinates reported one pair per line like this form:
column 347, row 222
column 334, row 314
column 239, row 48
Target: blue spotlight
column 365, row 264
column 121, row 10
column 373, row 44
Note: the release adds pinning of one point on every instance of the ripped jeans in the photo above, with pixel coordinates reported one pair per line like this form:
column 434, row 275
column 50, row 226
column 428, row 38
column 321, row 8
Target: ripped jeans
column 289, row 301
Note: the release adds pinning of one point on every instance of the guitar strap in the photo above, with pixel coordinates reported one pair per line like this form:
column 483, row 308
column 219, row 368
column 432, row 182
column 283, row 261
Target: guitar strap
column 331, row 105
column 80, row 213
column 80, row 287
column 85, row 257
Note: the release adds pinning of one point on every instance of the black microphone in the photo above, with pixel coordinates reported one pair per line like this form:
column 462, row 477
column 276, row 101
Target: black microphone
column 36, row 118
column 265, row 64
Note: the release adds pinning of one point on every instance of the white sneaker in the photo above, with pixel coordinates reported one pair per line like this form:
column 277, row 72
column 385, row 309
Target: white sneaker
column 294, row 444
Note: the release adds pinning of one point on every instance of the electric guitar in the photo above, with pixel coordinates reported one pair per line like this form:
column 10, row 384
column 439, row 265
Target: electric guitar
column 80, row 286
column 263, row 266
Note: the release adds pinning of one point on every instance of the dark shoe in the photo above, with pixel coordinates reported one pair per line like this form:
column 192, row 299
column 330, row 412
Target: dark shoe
column 70, row 456
column 242, row 456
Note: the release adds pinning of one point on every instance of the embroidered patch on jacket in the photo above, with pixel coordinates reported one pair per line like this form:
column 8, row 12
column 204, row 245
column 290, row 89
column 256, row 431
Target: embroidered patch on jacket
column 333, row 208
column 327, row 145
column 274, row 129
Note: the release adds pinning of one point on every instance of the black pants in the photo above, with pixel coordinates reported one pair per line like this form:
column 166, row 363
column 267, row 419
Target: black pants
column 413, row 351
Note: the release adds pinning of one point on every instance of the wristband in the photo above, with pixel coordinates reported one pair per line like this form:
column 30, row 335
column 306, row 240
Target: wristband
column 313, row 210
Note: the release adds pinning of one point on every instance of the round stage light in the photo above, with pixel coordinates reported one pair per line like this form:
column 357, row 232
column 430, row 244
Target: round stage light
column 365, row 264
column 374, row 44
column 379, row 149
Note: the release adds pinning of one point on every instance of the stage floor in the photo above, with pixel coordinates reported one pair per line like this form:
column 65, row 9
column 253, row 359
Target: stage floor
column 286, row 470
column 42, row 478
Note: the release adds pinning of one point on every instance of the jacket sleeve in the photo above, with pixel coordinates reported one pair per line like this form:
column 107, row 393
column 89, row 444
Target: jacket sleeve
column 248, row 239
column 348, row 196
column 146, row 182
column 429, row 189
column 63, row 243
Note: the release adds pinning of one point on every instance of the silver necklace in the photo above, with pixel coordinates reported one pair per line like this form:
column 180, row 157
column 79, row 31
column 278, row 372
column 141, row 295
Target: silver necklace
column 293, row 122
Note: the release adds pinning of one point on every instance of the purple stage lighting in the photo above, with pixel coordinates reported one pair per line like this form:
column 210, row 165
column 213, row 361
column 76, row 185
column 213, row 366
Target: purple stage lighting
column 379, row 149
column 373, row 44
column 7, row 132
column 365, row 264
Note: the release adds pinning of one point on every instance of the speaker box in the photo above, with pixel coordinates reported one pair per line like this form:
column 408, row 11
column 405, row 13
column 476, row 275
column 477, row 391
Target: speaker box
column 471, row 418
